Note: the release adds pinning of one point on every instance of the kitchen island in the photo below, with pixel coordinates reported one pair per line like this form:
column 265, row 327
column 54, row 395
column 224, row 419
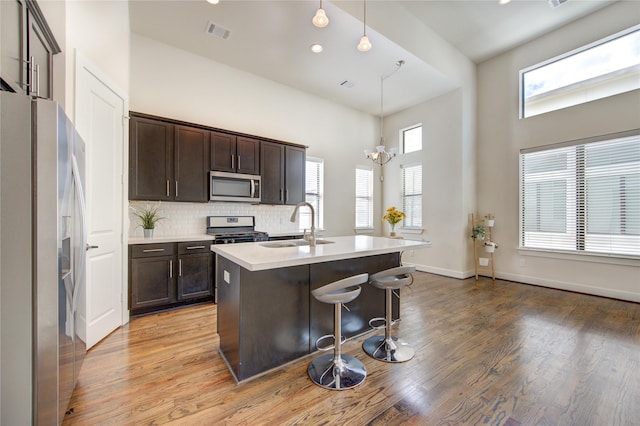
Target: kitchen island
column 266, row 314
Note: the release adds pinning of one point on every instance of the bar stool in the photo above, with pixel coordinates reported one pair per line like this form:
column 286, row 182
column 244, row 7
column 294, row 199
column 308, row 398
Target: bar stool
column 388, row 348
column 337, row 371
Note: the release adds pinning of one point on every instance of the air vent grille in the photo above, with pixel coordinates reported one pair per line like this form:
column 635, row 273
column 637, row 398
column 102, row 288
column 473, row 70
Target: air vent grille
column 347, row 84
column 556, row 3
column 216, row 30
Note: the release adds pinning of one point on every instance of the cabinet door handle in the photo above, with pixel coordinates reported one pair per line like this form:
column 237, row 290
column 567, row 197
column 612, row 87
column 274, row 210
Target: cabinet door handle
column 152, row 250
column 31, row 70
column 37, row 80
column 171, row 269
column 167, row 187
column 280, row 194
column 286, row 195
column 179, row 267
column 176, row 189
column 238, row 162
column 233, row 158
column 195, row 247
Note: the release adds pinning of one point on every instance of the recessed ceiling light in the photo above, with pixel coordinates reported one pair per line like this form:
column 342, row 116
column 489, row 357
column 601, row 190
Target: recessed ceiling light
column 213, row 1
column 316, row 48
column 503, row 1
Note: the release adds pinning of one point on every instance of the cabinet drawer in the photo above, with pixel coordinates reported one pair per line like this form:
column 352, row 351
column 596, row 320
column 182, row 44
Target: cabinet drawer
column 193, row 247
column 152, row 250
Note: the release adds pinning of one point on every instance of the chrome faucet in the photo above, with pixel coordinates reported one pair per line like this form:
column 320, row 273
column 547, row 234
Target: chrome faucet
column 312, row 237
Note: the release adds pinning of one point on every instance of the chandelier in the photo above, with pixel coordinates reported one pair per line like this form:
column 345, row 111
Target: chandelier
column 381, row 155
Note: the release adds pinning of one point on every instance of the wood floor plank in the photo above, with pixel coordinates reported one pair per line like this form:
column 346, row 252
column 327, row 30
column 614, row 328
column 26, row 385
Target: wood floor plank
column 509, row 354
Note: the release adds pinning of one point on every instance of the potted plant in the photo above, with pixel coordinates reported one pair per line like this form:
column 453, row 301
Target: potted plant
column 148, row 216
column 490, row 220
column 393, row 216
column 479, row 232
column 490, row 246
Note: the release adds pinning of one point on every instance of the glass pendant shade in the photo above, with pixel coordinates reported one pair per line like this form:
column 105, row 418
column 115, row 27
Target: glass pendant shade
column 365, row 44
column 320, row 19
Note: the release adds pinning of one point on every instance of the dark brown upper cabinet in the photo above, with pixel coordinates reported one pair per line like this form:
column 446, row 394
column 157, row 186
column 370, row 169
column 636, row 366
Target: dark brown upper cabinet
column 235, row 154
column 282, row 173
column 167, row 162
column 27, row 47
column 191, row 164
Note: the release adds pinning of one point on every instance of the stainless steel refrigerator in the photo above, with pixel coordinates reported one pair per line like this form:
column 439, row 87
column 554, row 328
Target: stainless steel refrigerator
column 42, row 259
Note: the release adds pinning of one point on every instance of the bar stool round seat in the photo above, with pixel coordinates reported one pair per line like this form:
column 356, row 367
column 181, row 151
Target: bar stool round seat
column 338, row 371
column 389, row 348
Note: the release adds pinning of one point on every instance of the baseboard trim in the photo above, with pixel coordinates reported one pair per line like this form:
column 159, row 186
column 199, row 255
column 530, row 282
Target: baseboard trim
column 524, row 279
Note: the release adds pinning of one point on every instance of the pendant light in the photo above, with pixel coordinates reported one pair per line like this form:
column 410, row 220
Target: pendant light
column 320, row 19
column 365, row 44
column 381, row 156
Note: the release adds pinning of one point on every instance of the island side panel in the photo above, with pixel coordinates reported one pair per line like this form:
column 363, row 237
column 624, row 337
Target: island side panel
column 228, row 321
column 274, row 320
column 369, row 304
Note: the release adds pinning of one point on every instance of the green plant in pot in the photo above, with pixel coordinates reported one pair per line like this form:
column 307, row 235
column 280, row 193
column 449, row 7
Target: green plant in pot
column 148, row 216
column 479, row 232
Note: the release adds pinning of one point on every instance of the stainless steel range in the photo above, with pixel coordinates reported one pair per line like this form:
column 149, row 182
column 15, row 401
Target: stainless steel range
column 234, row 229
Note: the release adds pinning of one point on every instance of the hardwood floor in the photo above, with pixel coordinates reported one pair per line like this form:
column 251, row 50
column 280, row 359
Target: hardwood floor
column 512, row 354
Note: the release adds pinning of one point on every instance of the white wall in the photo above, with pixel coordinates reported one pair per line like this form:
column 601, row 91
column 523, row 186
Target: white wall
column 172, row 83
column 501, row 135
column 443, row 185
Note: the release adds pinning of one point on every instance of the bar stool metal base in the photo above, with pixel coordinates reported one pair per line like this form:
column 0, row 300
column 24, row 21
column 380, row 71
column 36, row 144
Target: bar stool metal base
column 347, row 373
column 392, row 350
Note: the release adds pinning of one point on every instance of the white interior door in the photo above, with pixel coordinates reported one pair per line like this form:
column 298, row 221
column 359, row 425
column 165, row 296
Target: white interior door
column 100, row 116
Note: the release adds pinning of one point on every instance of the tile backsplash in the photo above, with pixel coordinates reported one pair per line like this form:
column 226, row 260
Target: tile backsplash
column 190, row 218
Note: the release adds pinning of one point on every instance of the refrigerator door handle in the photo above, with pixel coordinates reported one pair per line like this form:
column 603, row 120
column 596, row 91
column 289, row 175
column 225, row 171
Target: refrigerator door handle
column 75, row 172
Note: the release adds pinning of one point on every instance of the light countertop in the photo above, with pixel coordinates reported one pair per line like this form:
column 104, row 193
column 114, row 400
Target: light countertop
column 258, row 257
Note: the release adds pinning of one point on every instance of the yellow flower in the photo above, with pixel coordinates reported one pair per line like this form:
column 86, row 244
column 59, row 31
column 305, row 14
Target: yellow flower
column 393, row 216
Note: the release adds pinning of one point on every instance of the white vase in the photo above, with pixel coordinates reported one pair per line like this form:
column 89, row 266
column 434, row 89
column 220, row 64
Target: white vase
column 483, row 261
column 148, row 233
column 490, row 222
column 490, row 248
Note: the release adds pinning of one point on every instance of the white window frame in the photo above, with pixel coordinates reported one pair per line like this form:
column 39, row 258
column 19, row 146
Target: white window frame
column 590, row 89
column 575, row 238
column 314, row 194
column 365, row 199
column 401, row 138
column 411, row 221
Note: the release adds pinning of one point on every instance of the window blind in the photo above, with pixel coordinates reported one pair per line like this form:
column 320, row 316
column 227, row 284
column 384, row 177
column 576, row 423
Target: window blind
column 364, row 197
column 412, row 195
column 314, row 173
column 583, row 197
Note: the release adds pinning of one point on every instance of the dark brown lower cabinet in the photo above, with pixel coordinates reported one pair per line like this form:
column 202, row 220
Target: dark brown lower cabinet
column 268, row 318
column 169, row 275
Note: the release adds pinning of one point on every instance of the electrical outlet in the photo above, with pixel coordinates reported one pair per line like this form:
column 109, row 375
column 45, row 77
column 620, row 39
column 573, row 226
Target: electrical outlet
column 410, row 253
column 523, row 262
column 227, row 277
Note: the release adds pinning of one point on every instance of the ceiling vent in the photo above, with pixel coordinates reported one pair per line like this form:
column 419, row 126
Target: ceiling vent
column 556, row 3
column 216, row 30
column 347, row 84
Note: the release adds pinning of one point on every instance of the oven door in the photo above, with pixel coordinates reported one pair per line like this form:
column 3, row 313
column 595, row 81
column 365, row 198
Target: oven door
column 234, row 187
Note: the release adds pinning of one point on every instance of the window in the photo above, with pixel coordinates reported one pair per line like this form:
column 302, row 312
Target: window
column 411, row 139
column 412, row 195
column 601, row 69
column 582, row 197
column 313, row 193
column 364, row 197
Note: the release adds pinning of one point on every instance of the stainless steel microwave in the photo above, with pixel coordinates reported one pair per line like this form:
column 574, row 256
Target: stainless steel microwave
column 234, row 187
